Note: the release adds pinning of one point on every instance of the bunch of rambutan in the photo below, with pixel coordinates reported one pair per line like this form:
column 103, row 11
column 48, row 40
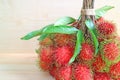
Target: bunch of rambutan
column 67, row 55
column 55, row 57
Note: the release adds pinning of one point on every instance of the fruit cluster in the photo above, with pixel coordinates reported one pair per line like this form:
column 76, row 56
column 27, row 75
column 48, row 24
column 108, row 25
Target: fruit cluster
column 56, row 50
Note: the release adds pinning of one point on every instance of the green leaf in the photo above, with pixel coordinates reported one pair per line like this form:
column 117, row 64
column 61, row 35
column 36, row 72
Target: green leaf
column 77, row 47
column 42, row 37
column 35, row 33
column 101, row 11
column 32, row 34
column 60, row 29
column 64, row 21
column 90, row 24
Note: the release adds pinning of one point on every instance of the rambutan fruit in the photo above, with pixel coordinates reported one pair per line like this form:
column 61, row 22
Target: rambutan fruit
column 54, row 72
column 118, row 79
column 64, row 39
column 115, row 70
column 82, row 72
column 102, row 76
column 61, row 73
column 98, row 63
column 111, row 51
column 46, row 41
column 86, row 52
column 45, row 57
column 65, row 73
column 63, row 55
column 106, row 28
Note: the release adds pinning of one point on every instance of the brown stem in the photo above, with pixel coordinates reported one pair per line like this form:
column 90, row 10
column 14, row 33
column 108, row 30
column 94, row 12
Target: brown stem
column 87, row 4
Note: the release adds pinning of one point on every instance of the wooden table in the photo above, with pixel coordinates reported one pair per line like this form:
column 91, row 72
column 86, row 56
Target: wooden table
column 19, row 66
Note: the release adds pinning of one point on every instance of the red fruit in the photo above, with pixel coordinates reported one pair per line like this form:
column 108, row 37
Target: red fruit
column 54, row 72
column 45, row 58
column 106, row 28
column 82, row 72
column 46, row 41
column 118, row 79
column 44, row 66
column 98, row 64
column 63, row 55
column 115, row 70
column 64, row 73
column 111, row 51
column 64, row 39
column 86, row 52
column 101, row 76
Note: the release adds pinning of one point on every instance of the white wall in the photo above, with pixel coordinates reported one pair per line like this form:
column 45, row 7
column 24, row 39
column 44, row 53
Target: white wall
column 18, row 17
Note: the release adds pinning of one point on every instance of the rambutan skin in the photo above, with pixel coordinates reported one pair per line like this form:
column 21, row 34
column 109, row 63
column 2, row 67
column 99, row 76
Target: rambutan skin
column 106, row 28
column 82, row 72
column 64, row 39
column 63, row 55
column 101, row 76
column 111, row 51
column 118, row 79
column 115, row 70
column 65, row 73
column 45, row 57
column 46, row 41
column 98, row 64
column 86, row 52
column 54, row 72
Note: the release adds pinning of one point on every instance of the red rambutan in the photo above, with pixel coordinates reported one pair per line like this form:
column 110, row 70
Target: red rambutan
column 82, row 72
column 65, row 73
column 106, row 28
column 46, row 41
column 86, row 52
column 111, row 51
column 101, row 76
column 115, row 70
column 45, row 58
column 64, row 39
column 98, row 64
column 63, row 55
column 54, row 72
column 118, row 79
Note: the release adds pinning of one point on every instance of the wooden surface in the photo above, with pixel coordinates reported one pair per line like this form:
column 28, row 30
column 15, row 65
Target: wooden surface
column 19, row 66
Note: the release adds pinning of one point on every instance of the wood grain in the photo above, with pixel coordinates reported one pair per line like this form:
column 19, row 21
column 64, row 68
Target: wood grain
column 18, row 66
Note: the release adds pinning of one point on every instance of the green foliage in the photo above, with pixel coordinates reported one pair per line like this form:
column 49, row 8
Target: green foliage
column 64, row 21
column 60, row 29
column 101, row 11
column 50, row 29
column 42, row 37
column 35, row 33
column 91, row 28
column 78, row 46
